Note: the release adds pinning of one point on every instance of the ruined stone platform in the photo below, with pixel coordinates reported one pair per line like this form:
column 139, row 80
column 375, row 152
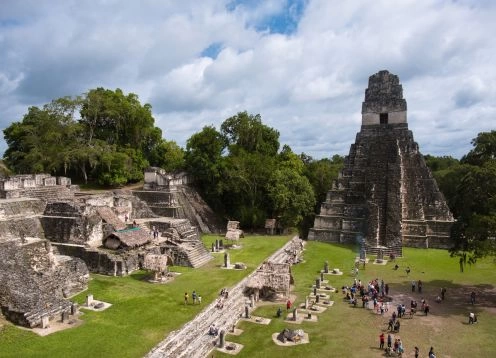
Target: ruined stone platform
column 301, row 318
column 303, row 340
column 92, row 307
column 257, row 319
column 232, row 348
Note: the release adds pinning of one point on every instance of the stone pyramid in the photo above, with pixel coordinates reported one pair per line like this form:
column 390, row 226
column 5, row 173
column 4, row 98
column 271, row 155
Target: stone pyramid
column 385, row 196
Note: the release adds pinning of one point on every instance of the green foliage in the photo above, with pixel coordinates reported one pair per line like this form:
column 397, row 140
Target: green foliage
column 168, row 156
column 205, row 163
column 470, row 190
column 240, row 172
column 247, row 132
column 484, row 149
column 111, row 141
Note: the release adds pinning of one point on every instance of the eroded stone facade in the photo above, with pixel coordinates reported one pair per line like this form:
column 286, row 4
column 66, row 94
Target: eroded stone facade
column 171, row 195
column 385, row 195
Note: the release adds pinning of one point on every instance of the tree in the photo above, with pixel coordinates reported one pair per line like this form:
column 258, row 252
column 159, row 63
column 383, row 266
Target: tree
column 39, row 142
column 205, row 162
column 470, row 189
column 119, row 119
column 484, row 149
column 247, row 132
column 111, row 140
column 168, row 156
column 289, row 191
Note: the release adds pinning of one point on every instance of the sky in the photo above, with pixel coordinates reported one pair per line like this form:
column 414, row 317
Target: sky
column 303, row 65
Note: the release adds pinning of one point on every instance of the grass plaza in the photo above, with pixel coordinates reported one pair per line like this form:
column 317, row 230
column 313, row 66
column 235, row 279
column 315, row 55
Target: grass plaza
column 142, row 314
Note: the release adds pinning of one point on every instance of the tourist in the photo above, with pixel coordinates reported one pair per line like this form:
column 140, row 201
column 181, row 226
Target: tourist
column 396, row 267
column 407, row 270
column 396, row 345
column 431, row 353
column 135, row 224
column 199, row 299
column 400, row 348
column 288, row 305
column 472, row 297
column 186, row 296
column 279, row 312
column 126, row 218
column 471, row 317
column 212, row 330
column 419, row 286
column 389, row 340
column 390, row 324
column 381, row 341
column 438, row 299
column 397, row 326
column 386, row 287
column 413, row 285
column 226, row 294
column 219, row 304
column 193, row 296
column 443, row 292
column 417, row 352
column 426, row 309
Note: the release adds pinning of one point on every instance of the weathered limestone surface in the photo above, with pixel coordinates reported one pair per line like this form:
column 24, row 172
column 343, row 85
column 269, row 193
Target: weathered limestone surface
column 385, row 193
column 41, row 186
column 171, row 195
column 34, row 281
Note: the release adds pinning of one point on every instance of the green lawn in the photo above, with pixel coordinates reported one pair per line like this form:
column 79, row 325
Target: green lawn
column 142, row 313
column 345, row 331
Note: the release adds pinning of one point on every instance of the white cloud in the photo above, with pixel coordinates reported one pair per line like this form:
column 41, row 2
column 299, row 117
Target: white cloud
column 308, row 84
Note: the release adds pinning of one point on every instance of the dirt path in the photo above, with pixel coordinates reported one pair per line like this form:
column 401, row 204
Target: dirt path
column 192, row 340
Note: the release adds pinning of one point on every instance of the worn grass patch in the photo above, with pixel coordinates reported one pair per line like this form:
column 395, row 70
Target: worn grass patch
column 345, row 331
column 142, row 314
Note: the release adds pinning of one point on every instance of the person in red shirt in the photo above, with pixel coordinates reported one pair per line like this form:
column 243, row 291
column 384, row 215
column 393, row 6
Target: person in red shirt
column 381, row 341
column 288, row 305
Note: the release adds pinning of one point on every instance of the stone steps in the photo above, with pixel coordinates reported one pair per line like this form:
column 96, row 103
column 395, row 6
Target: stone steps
column 198, row 255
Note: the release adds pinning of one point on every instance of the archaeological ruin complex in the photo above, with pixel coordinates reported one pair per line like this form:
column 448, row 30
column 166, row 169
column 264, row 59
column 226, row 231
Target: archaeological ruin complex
column 385, row 196
column 52, row 235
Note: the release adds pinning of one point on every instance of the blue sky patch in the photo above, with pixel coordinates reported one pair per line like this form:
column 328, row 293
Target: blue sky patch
column 212, row 50
column 285, row 21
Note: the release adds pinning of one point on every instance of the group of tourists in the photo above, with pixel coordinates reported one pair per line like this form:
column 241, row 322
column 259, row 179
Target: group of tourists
column 223, row 295
column 417, row 284
column 376, row 292
column 154, row 232
column 196, row 298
